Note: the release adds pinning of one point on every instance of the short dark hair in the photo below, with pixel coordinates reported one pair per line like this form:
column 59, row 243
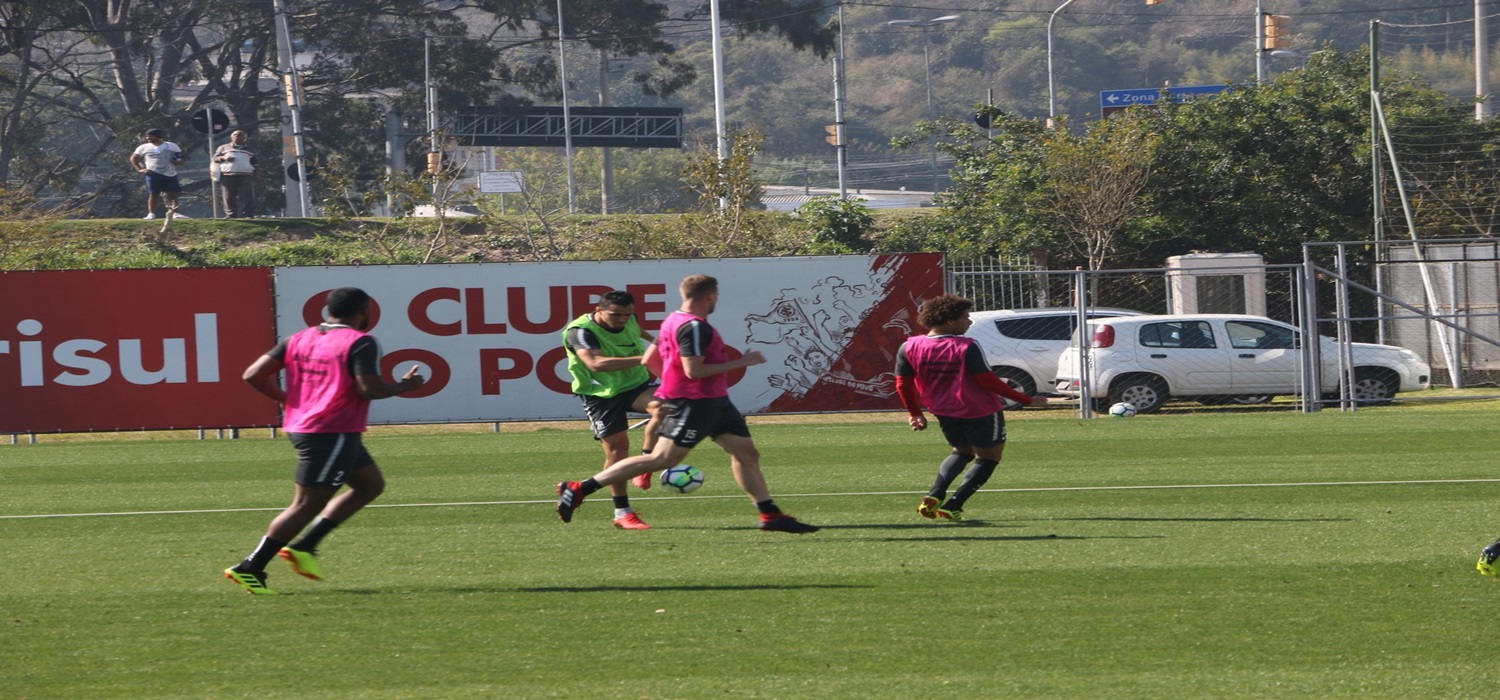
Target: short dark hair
column 346, row 301
column 944, row 308
column 698, row 286
column 156, row 132
column 617, row 298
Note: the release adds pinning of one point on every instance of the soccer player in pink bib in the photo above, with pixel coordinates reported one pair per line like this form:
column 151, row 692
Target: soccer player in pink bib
column 332, row 375
column 694, row 366
column 947, row 372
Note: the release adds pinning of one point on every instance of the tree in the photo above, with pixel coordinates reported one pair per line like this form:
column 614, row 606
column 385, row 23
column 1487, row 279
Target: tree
column 116, row 67
column 1077, row 196
column 1097, row 183
column 1255, row 169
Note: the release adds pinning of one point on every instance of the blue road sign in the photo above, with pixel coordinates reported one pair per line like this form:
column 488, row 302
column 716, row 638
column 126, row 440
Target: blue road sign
column 1118, row 99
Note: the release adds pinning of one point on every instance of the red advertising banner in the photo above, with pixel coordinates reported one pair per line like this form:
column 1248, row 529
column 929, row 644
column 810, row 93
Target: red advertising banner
column 133, row 349
column 488, row 336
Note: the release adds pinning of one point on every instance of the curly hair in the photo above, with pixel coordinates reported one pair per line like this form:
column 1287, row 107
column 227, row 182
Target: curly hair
column 944, row 308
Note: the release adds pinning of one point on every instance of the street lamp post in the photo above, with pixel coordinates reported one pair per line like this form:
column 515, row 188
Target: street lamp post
column 1051, row 83
column 924, row 25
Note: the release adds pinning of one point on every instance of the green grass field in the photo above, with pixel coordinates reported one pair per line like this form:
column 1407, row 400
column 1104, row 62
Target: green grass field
column 1216, row 554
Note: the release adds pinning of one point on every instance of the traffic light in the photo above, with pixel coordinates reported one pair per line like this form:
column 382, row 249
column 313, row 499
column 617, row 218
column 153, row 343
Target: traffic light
column 833, row 135
column 1278, row 33
column 435, row 163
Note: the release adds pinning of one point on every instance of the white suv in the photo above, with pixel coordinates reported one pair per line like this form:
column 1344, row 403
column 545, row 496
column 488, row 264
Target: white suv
column 1143, row 360
column 1022, row 345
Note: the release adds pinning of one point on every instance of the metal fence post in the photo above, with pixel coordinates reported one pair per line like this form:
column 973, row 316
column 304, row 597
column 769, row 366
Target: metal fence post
column 1085, row 359
column 1312, row 375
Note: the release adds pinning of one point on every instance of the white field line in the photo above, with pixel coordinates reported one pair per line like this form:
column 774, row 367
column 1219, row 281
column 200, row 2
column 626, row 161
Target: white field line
column 1294, row 484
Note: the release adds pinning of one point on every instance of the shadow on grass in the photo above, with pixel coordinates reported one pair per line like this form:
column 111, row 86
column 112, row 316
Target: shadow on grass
column 923, row 525
column 656, row 589
column 464, row 590
column 1021, row 538
column 1132, row 519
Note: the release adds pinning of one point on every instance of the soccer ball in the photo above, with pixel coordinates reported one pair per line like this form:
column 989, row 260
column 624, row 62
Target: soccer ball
column 683, row 478
column 1122, row 410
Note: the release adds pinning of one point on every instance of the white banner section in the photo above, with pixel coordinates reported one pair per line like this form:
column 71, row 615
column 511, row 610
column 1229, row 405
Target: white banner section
column 488, row 337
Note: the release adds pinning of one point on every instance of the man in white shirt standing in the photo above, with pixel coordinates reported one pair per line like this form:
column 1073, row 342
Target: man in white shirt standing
column 236, row 163
column 158, row 159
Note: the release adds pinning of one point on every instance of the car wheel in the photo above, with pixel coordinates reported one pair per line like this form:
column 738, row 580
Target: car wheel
column 1018, row 379
column 1146, row 393
column 1373, row 387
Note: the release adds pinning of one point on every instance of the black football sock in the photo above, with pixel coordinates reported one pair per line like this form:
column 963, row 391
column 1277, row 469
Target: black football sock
column 980, row 473
column 621, row 502
column 309, row 540
column 262, row 555
column 768, row 507
column 589, row 486
column 947, row 472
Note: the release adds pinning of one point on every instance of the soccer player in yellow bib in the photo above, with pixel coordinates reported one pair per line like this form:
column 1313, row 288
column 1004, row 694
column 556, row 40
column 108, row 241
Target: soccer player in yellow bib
column 604, row 356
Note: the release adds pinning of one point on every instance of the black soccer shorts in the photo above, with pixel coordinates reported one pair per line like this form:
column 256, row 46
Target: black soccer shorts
column 325, row 460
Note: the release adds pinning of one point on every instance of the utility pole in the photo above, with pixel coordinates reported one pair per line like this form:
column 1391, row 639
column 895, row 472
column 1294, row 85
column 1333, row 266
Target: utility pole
column 562, row 74
column 721, row 132
column 841, row 132
column 1481, row 62
column 434, row 154
column 606, row 161
column 1260, row 42
column 295, row 177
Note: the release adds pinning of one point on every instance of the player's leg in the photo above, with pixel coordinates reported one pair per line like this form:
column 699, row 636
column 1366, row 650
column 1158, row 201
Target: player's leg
column 324, row 461
column 152, row 201
column 610, row 420
column 744, row 461
column 949, row 469
column 1487, row 557
column 947, row 472
column 645, row 401
column 682, row 430
column 733, row 436
column 570, row 494
column 616, row 448
column 250, row 573
column 365, row 483
column 987, row 438
column 650, row 405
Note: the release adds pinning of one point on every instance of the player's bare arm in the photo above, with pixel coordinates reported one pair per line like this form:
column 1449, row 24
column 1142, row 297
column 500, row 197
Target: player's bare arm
column 652, row 360
column 372, row 386
column 696, row 368
column 597, row 361
column 261, row 375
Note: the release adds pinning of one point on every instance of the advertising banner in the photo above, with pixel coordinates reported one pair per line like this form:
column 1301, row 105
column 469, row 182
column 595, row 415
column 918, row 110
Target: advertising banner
column 85, row 350
column 488, row 337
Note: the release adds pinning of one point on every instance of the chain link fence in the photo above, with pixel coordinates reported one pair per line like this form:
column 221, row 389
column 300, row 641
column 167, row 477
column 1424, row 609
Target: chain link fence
column 1227, row 329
